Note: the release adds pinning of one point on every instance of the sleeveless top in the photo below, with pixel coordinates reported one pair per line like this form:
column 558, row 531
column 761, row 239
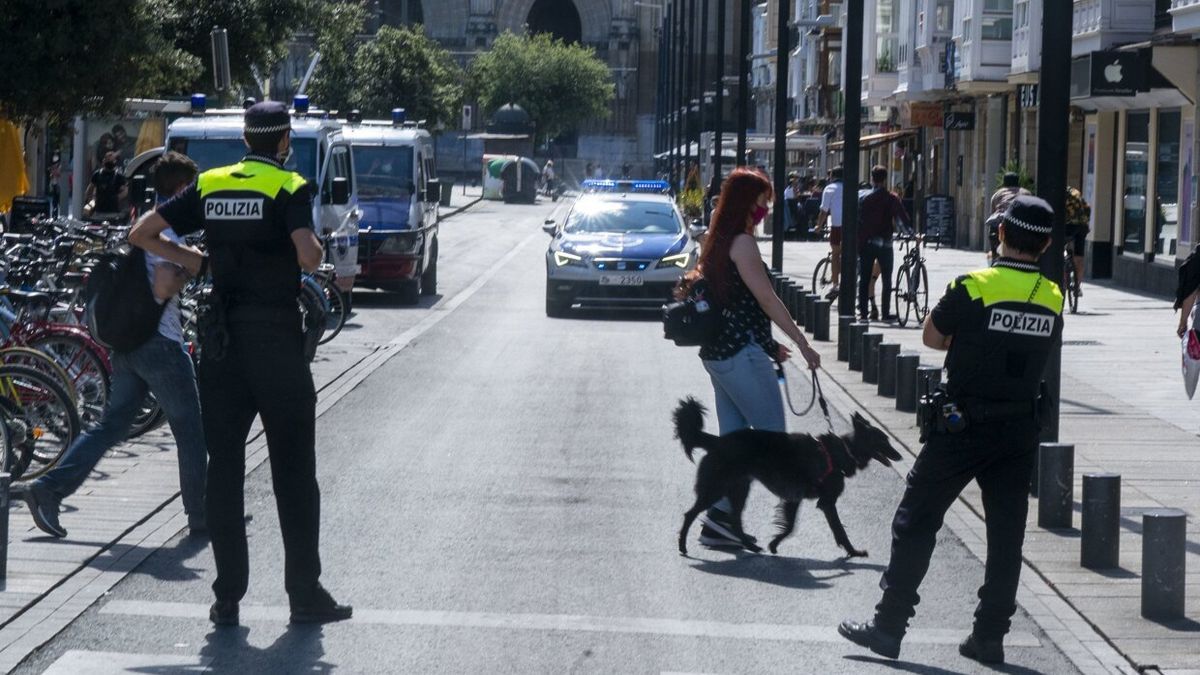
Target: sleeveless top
column 744, row 320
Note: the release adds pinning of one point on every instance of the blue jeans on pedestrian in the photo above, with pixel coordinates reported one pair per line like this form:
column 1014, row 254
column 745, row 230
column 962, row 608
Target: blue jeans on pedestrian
column 162, row 367
column 748, row 396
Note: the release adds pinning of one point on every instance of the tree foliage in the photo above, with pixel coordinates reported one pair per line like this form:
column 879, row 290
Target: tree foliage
column 560, row 85
column 336, row 27
column 62, row 57
column 403, row 68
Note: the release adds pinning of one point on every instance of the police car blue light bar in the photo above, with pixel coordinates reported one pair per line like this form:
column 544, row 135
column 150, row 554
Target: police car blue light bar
column 398, row 116
column 300, row 104
column 608, row 185
column 199, row 103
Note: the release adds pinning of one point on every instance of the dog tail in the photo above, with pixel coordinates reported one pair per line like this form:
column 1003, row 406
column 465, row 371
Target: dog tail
column 689, row 425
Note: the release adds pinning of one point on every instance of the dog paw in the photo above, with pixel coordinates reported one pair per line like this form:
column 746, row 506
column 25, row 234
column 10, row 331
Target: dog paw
column 753, row 548
column 773, row 548
column 857, row 553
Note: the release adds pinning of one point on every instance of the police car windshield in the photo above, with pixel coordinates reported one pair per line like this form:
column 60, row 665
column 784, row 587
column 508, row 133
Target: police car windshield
column 384, row 172
column 624, row 217
column 210, row 153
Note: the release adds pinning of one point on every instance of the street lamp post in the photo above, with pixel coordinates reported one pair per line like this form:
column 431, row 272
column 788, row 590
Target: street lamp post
column 743, row 101
column 690, row 85
column 852, row 85
column 719, row 102
column 782, row 51
column 703, row 54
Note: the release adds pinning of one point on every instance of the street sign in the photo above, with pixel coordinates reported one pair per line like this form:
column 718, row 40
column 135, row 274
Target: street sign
column 915, row 114
column 1116, row 73
column 959, row 121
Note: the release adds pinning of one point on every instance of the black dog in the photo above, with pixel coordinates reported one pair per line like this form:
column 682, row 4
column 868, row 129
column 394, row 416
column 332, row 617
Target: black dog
column 793, row 466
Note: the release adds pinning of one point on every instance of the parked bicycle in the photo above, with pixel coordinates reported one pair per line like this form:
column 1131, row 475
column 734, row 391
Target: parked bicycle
column 1070, row 278
column 912, row 282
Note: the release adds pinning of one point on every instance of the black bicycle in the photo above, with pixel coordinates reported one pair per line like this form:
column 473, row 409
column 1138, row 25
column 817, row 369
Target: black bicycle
column 1070, row 279
column 912, row 282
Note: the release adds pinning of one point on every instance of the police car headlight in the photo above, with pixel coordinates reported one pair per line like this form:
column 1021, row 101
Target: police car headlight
column 401, row 244
column 562, row 258
column 679, row 260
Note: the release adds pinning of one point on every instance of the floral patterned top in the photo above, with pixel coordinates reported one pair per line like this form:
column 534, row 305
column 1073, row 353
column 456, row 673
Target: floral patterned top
column 745, row 320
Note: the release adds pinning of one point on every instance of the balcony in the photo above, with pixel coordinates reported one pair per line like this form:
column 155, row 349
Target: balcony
column 881, row 51
column 1185, row 16
column 983, row 32
column 1101, row 24
column 1027, row 37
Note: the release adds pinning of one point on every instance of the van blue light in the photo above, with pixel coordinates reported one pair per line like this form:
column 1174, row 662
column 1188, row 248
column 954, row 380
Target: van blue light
column 300, row 104
column 651, row 186
column 398, row 116
column 199, row 103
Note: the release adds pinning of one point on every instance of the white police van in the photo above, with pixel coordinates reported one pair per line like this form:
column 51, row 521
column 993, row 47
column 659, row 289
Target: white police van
column 398, row 195
column 320, row 152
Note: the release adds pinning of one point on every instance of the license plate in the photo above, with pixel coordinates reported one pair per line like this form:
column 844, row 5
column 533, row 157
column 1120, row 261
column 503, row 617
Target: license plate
column 621, row 280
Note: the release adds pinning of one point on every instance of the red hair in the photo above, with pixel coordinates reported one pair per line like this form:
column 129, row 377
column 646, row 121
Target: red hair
column 739, row 196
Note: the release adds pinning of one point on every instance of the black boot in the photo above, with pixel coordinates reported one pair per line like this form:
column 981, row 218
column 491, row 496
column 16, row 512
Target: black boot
column 867, row 634
column 224, row 613
column 319, row 607
column 982, row 650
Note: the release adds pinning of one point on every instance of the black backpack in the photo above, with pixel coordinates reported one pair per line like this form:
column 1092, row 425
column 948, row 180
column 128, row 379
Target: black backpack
column 694, row 321
column 122, row 313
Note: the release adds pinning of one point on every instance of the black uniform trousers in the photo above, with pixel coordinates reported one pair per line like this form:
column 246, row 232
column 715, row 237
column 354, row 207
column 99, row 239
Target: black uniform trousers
column 868, row 255
column 263, row 372
column 1000, row 457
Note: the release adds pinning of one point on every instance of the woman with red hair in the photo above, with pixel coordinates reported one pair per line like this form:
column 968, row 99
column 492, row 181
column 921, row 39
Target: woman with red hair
column 741, row 360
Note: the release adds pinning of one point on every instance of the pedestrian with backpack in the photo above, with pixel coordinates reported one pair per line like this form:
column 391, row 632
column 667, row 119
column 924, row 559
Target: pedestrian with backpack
column 133, row 309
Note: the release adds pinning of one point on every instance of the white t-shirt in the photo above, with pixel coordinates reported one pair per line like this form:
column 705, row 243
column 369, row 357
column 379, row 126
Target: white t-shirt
column 831, row 203
column 789, row 192
column 169, row 326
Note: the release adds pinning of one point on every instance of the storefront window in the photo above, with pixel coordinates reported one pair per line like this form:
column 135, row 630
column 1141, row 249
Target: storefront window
column 1137, row 165
column 1166, row 183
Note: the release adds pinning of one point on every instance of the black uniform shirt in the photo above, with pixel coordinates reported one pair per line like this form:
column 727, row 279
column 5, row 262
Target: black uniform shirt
column 1004, row 321
column 248, row 212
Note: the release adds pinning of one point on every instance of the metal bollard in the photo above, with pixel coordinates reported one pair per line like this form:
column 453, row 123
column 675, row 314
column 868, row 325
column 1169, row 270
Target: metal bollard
column 1100, row 544
column 788, row 296
column 1164, row 540
column 795, row 304
column 870, row 357
column 886, row 365
column 1056, row 485
column 855, row 355
column 820, row 320
column 5, row 485
column 928, row 378
column 906, row 382
column 810, row 314
column 843, row 345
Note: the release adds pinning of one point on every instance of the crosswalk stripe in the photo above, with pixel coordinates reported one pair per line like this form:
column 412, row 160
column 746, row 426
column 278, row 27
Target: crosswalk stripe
column 81, row 662
column 559, row 622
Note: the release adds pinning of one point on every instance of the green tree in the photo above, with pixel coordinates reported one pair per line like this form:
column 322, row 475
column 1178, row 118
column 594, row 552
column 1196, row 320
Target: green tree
column 560, row 85
column 336, row 27
column 402, row 68
column 62, row 57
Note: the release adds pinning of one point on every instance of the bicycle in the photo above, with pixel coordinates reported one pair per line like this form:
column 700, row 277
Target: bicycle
column 912, row 282
column 1070, row 278
column 40, row 421
column 822, row 279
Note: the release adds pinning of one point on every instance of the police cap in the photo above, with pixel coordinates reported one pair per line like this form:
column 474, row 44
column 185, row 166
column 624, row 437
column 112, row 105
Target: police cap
column 267, row 117
column 1030, row 213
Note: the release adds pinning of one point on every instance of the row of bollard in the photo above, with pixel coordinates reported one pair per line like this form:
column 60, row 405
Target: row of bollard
column 900, row 375
column 809, row 310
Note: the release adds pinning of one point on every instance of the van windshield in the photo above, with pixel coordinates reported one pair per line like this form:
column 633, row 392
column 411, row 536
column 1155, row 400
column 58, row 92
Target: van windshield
column 210, row 153
column 384, row 171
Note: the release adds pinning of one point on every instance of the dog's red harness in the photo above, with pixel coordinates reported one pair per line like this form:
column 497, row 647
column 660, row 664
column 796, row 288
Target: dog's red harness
column 828, row 461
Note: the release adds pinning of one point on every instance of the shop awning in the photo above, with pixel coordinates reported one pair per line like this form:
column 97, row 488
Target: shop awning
column 1130, row 78
column 875, row 140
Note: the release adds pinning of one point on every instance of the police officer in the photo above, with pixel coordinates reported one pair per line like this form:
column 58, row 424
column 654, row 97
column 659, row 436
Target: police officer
column 999, row 325
column 257, row 220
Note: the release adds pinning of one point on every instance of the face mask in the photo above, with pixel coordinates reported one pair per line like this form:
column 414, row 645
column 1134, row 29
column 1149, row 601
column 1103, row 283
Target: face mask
column 759, row 213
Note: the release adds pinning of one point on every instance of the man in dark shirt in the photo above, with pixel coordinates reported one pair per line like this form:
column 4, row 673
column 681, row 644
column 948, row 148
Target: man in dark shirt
column 878, row 212
column 107, row 188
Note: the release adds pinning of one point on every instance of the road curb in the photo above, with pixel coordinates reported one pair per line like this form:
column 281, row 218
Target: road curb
column 464, row 207
column 1070, row 630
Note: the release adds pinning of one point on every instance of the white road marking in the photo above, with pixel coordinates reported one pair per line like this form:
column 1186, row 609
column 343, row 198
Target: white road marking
column 559, row 622
column 80, row 662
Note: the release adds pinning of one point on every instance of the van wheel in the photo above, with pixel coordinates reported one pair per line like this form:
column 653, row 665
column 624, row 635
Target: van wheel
column 410, row 292
column 429, row 278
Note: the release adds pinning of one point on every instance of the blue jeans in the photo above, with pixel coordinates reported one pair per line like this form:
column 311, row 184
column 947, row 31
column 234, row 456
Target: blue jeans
column 162, row 367
column 748, row 396
column 747, row 391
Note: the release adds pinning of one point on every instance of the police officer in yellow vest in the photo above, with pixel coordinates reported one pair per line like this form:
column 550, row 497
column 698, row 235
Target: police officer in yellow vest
column 257, row 220
column 998, row 325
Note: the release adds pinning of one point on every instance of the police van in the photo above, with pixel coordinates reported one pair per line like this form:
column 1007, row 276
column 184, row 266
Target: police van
column 398, row 194
column 320, row 152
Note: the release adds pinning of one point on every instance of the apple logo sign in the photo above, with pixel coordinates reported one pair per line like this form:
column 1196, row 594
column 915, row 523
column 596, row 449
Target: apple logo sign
column 1112, row 73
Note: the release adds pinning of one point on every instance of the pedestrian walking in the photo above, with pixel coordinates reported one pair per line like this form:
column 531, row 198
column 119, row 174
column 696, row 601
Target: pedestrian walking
column 998, row 325
column 741, row 360
column 106, row 191
column 878, row 212
column 1010, row 189
column 160, row 366
column 1078, row 216
column 257, row 220
column 831, row 212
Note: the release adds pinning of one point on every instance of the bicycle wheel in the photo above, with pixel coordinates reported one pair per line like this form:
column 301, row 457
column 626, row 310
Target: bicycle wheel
column 86, row 369
column 150, row 416
column 1072, row 285
column 314, row 321
column 822, row 277
column 335, row 318
column 901, row 289
column 42, row 420
column 32, row 358
column 920, row 292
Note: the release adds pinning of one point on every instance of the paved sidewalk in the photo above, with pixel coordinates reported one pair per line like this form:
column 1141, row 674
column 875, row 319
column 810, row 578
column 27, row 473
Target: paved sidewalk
column 1124, row 408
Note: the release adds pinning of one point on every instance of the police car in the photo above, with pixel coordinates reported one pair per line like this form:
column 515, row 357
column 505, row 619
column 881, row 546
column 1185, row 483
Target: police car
column 319, row 152
column 623, row 243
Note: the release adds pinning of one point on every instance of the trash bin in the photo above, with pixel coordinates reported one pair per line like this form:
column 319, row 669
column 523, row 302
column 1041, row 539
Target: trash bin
column 447, row 188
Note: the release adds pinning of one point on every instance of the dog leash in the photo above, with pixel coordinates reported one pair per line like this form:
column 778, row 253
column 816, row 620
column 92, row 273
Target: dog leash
column 818, row 396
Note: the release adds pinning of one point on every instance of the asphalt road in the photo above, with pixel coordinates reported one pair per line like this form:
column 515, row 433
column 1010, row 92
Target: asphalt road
column 502, row 496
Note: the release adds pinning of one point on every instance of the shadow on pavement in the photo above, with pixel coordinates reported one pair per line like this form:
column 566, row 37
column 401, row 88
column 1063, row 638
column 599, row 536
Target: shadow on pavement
column 298, row 650
column 781, row 571
column 615, row 314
